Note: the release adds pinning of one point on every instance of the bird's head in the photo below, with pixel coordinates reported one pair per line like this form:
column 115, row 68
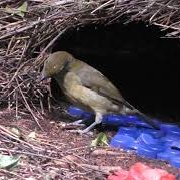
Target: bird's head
column 55, row 63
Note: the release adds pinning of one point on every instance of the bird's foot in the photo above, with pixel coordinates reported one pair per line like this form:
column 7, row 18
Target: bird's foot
column 82, row 132
column 78, row 122
column 86, row 131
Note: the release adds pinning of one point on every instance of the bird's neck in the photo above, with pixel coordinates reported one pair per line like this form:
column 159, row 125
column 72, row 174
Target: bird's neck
column 60, row 77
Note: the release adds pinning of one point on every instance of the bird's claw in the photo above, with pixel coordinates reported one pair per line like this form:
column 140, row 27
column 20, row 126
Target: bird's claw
column 81, row 132
column 78, row 122
column 74, row 124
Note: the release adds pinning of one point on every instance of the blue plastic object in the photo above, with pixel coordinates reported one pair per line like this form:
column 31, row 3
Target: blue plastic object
column 157, row 148
column 169, row 139
column 174, row 131
column 167, row 127
column 87, row 115
column 135, row 134
column 130, row 131
column 172, row 152
column 78, row 113
column 175, row 161
column 126, row 120
column 164, row 156
column 154, row 133
column 146, row 152
column 75, row 112
column 123, row 141
column 142, row 124
column 176, row 145
column 115, row 120
column 150, row 143
column 148, row 146
column 147, row 139
column 132, row 119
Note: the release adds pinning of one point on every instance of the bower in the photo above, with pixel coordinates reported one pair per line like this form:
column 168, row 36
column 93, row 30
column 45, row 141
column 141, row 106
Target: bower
column 134, row 43
column 136, row 58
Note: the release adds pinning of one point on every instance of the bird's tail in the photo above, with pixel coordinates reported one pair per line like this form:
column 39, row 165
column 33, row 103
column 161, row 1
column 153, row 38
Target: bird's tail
column 133, row 110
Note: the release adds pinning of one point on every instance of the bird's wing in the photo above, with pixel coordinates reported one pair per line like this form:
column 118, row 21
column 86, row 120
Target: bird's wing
column 96, row 81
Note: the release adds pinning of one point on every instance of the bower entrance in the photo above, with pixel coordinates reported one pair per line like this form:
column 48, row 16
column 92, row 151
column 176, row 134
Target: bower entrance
column 138, row 61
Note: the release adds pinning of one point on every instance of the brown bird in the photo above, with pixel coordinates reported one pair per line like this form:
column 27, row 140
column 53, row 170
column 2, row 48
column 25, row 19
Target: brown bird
column 87, row 88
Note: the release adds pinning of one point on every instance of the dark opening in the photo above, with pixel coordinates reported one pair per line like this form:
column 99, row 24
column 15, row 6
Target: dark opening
column 144, row 66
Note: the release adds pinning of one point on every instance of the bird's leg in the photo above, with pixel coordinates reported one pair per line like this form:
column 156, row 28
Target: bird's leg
column 78, row 122
column 98, row 120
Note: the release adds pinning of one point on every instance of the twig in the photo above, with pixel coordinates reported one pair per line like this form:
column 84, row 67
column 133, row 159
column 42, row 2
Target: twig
column 11, row 173
column 33, row 154
column 20, row 30
column 52, row 42
column 11, row 135
column 28, row 107
column 102, row 6
column 104, row 169
column 105, row 152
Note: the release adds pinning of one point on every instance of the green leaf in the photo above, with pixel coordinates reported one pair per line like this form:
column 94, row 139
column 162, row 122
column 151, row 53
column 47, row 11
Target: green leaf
column 20, row 11
column 100, row 140
column 8, row 161
column 23, row 7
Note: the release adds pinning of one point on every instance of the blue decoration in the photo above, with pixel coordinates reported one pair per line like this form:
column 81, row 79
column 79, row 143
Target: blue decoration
column 135, row 134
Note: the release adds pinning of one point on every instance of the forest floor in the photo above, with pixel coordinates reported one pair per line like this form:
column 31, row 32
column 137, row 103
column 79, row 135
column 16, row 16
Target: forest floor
column 54, row 152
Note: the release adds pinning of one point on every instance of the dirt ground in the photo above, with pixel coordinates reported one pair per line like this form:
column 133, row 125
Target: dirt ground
column 56, row 153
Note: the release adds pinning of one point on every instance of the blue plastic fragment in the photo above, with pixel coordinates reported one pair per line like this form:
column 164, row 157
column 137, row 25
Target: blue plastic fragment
column 153, row 132
column 123, row 141
column 146, row 152
column 167, row 127
column 115, row 120
column 157, row 147
column 78, row 113
column 87, row 115
column 143, row 124
column 135, row 134
column 147, row 139
column 175, row 161
column 176, row 144
column 169, row 139
column 75, row 112
column 151, row 143
column 132, row 119
column 172, row 152
column 174, row 131
column 148, row 146
column 130, row 131
column 164, row 156
column 168, row 155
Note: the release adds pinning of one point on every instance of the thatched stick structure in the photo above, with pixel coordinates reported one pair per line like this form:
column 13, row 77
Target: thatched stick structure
column 26, row 38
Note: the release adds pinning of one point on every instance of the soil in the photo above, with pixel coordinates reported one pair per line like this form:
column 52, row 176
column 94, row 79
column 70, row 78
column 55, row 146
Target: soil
column 56, row 153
